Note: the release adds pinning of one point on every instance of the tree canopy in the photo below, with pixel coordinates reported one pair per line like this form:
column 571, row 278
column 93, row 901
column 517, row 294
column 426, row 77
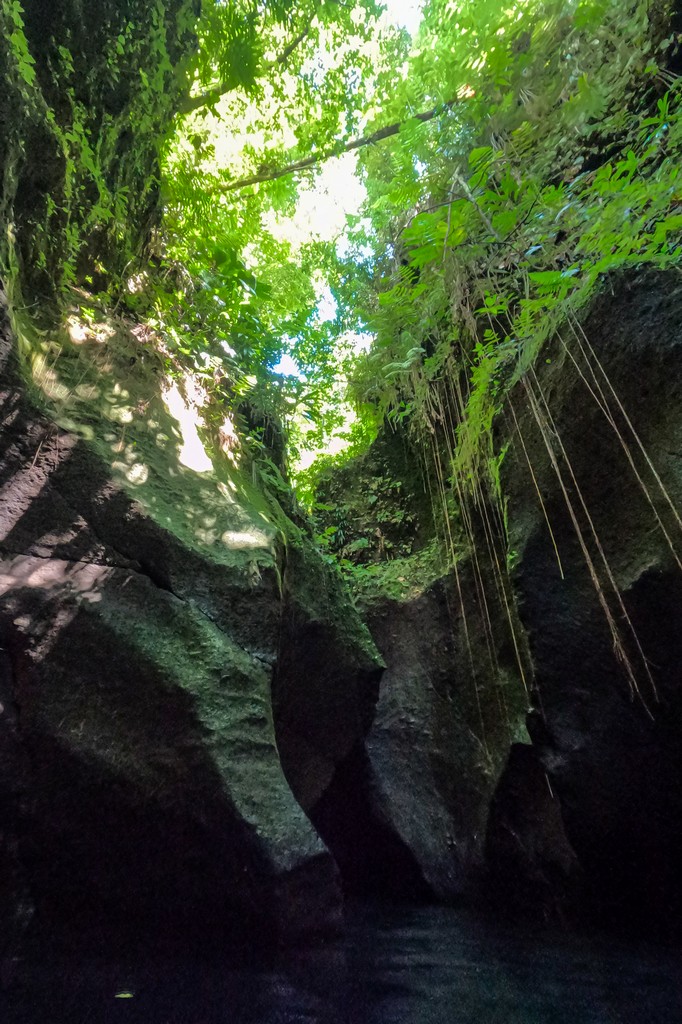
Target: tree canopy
column 504, row 160
column 510, row 156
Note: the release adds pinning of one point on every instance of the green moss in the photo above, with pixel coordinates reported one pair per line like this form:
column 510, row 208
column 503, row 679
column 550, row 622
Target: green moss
column 106, row 387
column 86, row 105
column 400, row 579
column 102, row 378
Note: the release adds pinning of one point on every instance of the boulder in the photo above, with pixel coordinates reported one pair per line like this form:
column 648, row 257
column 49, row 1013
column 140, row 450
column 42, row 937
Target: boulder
column 452, row 700
column 446, row 718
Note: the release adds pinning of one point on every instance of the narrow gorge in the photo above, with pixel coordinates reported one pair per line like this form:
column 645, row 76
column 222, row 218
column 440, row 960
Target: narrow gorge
column 341, row 511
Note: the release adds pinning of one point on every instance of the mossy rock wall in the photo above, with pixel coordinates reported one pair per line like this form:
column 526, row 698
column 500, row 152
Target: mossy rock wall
column 560, row 798
column 88, row 94
column 145, row 608
column 609, row 737
column 452, row 699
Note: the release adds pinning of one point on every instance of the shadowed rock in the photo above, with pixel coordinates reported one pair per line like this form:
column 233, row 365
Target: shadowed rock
column 612, row 755
column 140, row 627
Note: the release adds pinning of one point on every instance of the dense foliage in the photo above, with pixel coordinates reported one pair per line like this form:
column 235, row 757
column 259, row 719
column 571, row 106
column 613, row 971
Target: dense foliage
column 494, row 224
column 547, row 157
column 511, row 157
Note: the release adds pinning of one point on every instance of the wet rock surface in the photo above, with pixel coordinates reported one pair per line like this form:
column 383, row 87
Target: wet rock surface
column 451, row 700
column 327, row 678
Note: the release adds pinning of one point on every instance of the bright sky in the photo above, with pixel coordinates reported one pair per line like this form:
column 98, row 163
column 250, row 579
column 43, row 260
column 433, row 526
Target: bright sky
column 406, row 13
column 322, row 212
column 337, row 192
column 323, row 209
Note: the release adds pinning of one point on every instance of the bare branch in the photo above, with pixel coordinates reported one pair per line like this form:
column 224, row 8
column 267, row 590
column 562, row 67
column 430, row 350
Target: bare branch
column 271, row 174
column 288, row 50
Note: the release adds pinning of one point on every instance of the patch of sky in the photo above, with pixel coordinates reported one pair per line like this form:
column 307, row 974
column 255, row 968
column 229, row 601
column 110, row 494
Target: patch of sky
column 324, row 211
column 287, row 367
column 406, row 14
column 327, row 307
column 337, row 193
column 360, row 341
column 346, row 246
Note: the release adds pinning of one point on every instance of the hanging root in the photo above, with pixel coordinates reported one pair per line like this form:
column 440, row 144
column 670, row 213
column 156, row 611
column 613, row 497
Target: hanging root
column 550, row 435
column 601, row 400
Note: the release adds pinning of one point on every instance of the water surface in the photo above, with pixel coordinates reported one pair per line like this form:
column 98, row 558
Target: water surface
column 400, row 966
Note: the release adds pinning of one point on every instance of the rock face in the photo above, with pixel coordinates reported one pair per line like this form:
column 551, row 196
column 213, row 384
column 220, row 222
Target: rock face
column 442, row 732
column 59, row 205
column 326, row 682
column 378, row 506
column 185, row 685
column 580, row 813
column 451, row 702
column 141, row 611
column 613, row 755
column 532, row 869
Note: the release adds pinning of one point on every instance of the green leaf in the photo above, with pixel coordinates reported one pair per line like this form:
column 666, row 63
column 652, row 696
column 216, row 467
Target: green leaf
column 504, row 221
column 480, row 156
column 546, row 277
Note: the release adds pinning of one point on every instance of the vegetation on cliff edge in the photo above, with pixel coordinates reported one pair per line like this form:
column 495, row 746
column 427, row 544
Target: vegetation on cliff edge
column 509, row 158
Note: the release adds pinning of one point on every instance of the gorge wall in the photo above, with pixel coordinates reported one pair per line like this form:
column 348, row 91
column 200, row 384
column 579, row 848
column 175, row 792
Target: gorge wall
column 190, row 699
column 201, row 721
column 547, row 782
column 144, row 610
column 609, row 743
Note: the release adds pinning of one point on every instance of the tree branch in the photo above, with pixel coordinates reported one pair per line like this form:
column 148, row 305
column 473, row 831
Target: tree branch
column 209, row 98
column 271, row 174
column 288, row 50
column 205, row 99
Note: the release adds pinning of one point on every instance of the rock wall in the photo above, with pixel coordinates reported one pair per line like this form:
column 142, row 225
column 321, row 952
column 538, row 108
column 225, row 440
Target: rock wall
column 580, row 814
column 144, row 609
column 85, row 104
column 452, row 699
column 610, row 742
column 442, row 732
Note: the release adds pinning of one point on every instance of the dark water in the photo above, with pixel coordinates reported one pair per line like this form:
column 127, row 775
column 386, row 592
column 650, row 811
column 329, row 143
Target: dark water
column 414, row 966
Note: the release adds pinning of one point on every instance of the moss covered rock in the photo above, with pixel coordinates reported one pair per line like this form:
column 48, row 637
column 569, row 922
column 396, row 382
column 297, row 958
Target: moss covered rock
column 145, row 606
column 87, row 99
column 452, row 699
